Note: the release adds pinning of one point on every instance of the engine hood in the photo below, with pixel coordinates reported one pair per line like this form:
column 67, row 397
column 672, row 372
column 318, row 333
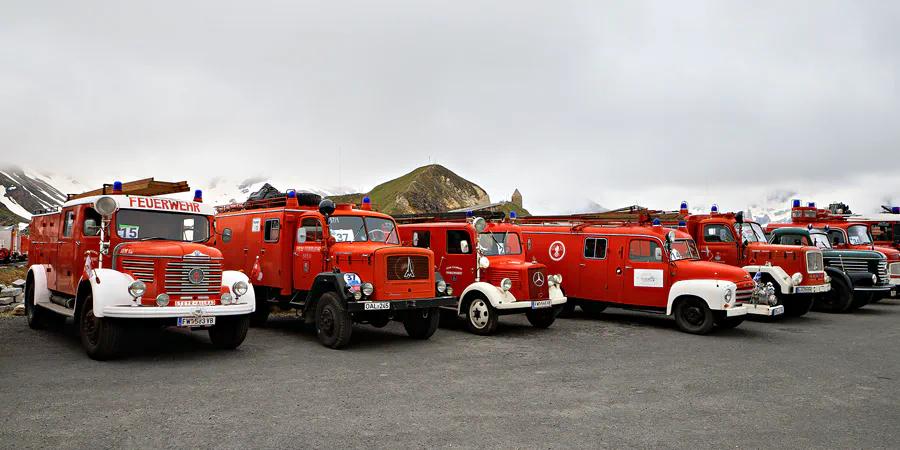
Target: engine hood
column 861, row 254
column 172, row 249
column 692, row 269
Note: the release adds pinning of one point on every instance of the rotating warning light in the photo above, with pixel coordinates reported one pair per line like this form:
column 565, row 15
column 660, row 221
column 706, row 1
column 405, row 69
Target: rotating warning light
column 198, row 196
column 714, row 209
column 811, row 204
column 367, row 200
column 512, row 214
column 117, row 187
column 895, row 210
column 468, row 214
column 656, row 223
column 682, row 224
column 292, row 193
column 796, row 203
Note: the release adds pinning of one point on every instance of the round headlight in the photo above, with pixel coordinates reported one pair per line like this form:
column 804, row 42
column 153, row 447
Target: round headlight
column 827, row 279
column 162, row 300
column 368, row 289
column 106, row 205
column 240, row 288
column 357, row 295
column 483, row 262
column 449, row 290
column 441, row 286
column 137, row 289
column 728, row 295
column 797, row 278
column 506, row 284
column 558, row 278
column 227, row 299
column 874, row 279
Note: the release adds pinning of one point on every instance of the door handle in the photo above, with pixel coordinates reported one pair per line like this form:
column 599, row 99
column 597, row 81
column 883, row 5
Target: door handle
column 627, row 267
column 245, row 249
column 263, row 251
column 583, row 265
column 618, row 271
column 78, row 243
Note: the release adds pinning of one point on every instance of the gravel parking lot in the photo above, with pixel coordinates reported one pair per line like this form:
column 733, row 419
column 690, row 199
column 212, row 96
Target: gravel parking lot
column 629, row 380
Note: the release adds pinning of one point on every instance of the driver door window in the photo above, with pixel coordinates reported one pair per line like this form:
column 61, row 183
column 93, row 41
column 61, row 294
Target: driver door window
column 644, row 251
column 454, row 242
column 717, row 233
column 312, row 230
column 421, row 239
column 836, row 237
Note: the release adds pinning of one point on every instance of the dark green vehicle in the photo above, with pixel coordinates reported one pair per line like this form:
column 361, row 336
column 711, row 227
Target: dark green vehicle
column 856, row 275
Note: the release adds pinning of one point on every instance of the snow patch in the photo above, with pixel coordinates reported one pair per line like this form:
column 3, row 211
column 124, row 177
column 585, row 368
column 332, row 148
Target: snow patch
column 12, row 205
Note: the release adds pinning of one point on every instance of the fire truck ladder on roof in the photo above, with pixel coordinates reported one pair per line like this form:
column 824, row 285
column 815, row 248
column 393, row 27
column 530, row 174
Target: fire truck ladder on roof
column 147, row 187
column 619, row 217
column 447, row 217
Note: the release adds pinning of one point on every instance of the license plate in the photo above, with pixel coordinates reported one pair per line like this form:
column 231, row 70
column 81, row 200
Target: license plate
column 196, row 321
column 777, row 310
column 377, row 306
column 541, row 304
column 804, row 289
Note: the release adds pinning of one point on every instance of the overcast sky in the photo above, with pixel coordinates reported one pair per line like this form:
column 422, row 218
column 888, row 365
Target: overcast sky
column 620, row 102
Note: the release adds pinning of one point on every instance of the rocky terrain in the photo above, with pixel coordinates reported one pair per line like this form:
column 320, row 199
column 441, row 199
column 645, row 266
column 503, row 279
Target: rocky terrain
column 12, row 286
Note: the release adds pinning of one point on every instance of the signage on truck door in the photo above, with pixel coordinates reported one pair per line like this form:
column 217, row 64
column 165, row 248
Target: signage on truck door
column 308, row 258
column 645, row 273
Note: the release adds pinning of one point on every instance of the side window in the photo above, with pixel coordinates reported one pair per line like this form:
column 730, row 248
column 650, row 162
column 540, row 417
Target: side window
column 226, row 235
column 595, row 248
column 836, row 237
column 643, row 250
column 455, row 239
column 421, row 239
column 273, row 230
column 67, row 226
column 717, row 233
column 310, row 230
column 882, row 232
column 91, row 226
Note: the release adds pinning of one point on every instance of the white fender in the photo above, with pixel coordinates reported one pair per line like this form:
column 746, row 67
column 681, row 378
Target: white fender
column 556, row 292
column 112, row 290
column 229, row 277
column 41, row 292
column 494, row 294
column 777, row 273
column 711, row 291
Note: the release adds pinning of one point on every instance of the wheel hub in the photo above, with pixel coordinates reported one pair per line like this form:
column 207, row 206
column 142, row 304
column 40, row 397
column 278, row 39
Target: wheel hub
column 479, row 314
column 327, row 322
column 693, row 315
column 90, row 326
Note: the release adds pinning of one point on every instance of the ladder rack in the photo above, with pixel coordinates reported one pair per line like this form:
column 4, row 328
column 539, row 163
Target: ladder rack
column 447, row 217
column 147, row 187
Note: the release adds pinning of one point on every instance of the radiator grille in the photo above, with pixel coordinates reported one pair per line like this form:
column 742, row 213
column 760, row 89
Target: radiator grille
column 895, row 269
column 178, row 277
column 815, row 262
column 401, row 268
column 883, row 277
column 849, row 264
column 744, row 291
column 495, row 276
column 538, row 275
column 140, row 269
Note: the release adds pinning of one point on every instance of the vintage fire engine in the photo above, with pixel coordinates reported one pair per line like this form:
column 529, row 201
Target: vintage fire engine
column 120, row 256
column 486, row 261
column 620, row 263
column 884, row 227
column 796, row 272
column 846, row 232
column 855, row 274
column 11, row 244
column 334, row 264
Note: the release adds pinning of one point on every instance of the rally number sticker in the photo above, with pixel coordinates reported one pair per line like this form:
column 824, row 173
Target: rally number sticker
column 129, row 231
column 342, row 235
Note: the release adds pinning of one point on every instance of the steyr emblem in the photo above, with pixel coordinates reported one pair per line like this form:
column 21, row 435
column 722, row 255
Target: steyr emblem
column 196, row 276
column 538, row 279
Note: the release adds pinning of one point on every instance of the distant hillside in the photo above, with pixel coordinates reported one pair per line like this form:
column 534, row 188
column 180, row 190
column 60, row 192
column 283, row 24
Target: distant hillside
column 22, row 192
column 7, row 217
column 430, row 188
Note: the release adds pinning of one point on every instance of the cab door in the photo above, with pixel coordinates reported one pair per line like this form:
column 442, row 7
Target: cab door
column 718, row 243
column 459, row 260
column 645, row 274
column 65, row 253
column 309, row 261
column 593, row 279
column 270, row 249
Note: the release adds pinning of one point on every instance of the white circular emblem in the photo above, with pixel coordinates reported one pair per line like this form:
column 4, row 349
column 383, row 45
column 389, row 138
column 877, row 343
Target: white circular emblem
column 196, row 276
column 538, row 279
column 557, row 250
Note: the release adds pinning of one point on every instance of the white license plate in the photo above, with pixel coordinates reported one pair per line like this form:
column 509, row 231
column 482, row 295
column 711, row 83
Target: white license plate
column 804, row 289
column 777, row 310
column 196, row 321
column 541, row 304
column 377, row 306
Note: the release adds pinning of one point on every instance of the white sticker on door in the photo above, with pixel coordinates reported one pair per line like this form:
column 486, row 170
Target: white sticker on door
column 648, row 278
column 255, row 228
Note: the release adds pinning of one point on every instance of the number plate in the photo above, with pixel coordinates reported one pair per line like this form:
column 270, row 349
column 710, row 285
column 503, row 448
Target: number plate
column 196, row 321
column 804, row 289
column 377, row 306
column 541, row 304
column 777, row 310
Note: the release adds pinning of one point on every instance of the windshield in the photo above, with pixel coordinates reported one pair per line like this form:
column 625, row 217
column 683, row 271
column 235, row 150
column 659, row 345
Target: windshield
column 493, row 244
column 858, row 235
column 358, row 229
column 820, row 240
column 750, row 232
column 683, row 249
column 144, row 225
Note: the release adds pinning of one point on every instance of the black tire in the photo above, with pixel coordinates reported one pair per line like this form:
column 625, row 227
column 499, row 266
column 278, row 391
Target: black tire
column 729, row 323
column 542, row 318
column 259, row 317
column 592, row 308
column 798, row 305
column 100, row 337
column 567, row 309
column 694, row 316
column 877, row 298
column 308, row 199
column 333, row 322
column 422, row 323
column 229, row 331
column 860, row 299
column 837, row 300
column 481, row 317
column 33, row 313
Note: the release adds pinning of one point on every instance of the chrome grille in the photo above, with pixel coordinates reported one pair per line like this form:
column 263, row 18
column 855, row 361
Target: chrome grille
column 178, row 281
column 815, row 262
column 895, row 269
column 139, row 269
column 849, row 264
column 883, row 272
column 495, row 276
column 744, row 292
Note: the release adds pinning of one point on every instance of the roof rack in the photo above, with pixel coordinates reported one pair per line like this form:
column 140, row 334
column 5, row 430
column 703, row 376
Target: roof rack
column 272, row 202
column 448, row 216
column 51, row 209
column 622, row 216
column 147, row 187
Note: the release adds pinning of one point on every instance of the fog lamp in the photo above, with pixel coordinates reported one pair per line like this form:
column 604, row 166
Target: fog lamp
column 357, row 295
column 162, row 300
column 449, row 290
column 227, row 299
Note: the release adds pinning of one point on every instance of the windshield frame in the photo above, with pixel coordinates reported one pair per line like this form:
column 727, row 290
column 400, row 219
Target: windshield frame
column 493, row 236
column 756, row 230
column 692, row 246
column 364, row 221
column 814, row 233
column 186, row 215
column 869, row 240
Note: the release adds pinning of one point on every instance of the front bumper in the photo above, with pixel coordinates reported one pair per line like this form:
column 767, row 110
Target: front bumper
column 170, row 312
column 814, row 289
column 529, row 304
column 401, row 305
column 885, row 288
column 735, row 311
column 764, row 310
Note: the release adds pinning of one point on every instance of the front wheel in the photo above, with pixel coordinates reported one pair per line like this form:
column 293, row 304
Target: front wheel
column 694, row 316
column 229, row 332
column 333, row 322
column 422, row 323
column 260, row 316
column 33, row 314
column 481, row 317
column 729, row 323
column 592, row 308
column 798, row 305
column 542, row 318
column 837, row 300
column 100, row 337
column 860, row 299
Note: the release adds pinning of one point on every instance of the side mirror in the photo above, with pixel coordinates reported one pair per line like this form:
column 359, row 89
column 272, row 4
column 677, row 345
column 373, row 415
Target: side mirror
column 415, row 239
column 464, row 246
column 301, row 235
column 226, row 235
column 659, row 253
column 91, row 228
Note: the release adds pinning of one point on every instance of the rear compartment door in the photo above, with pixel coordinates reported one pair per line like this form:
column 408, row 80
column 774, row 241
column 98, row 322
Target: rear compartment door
column 645, row 273
column 593, row 280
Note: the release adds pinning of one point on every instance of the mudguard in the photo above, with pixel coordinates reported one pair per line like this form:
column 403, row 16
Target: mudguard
column 837, row 273
column 776, row 273
column 111, row 290
column 325, row 282
column 38, row 274
column 229, row 277
column 494, row 294
column 711, row 291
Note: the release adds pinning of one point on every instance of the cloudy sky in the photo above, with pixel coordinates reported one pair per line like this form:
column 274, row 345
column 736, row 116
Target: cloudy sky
column 621, row 102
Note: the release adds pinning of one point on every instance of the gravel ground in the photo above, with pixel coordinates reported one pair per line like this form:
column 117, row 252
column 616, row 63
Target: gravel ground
column 627, row 380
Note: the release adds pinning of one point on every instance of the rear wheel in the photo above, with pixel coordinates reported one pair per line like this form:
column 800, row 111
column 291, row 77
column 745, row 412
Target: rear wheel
column 694, row 316
column 837, row 300
column 229, row 332
column 33, row 314
column 592, row 308
column 259, row 317
column 798, row 305
column 333, row 322
column 481, row 317
column 100, row 337
column 542, row 318
column 422, row 323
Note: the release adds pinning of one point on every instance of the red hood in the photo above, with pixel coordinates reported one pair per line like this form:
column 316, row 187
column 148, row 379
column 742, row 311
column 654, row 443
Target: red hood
column 512, row 264
column 779, row 247
column 172, row 249
column 708, row 270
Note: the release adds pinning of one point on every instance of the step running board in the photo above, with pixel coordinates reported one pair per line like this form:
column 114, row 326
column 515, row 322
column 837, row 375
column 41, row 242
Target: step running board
column 58, row 309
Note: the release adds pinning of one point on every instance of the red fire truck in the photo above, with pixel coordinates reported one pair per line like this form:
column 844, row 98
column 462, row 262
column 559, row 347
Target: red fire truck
column 884, row 227
column 797, row 272
column 620, row 263
column 120, row 256
column 11, row 246
column 486, row 261
column 334, row 264
column 847, row 232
